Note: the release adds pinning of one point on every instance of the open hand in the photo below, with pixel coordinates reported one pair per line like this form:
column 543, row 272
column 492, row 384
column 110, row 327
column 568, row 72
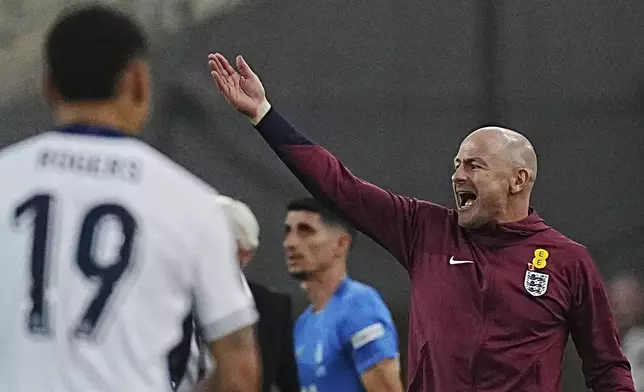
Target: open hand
column 242, row 89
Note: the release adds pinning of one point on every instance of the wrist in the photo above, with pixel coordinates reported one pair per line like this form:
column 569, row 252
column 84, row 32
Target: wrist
column 264, row 107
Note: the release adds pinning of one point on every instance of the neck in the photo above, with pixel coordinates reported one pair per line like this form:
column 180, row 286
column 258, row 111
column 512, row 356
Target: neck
column 105, row 114
column 515, row 212
column 322, row 285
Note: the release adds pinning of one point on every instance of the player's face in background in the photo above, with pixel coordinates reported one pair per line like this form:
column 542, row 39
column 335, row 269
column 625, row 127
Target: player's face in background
column 310, row 244
column 481, row 181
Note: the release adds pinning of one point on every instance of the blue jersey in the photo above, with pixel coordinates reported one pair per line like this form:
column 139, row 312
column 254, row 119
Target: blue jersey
column 351, row 334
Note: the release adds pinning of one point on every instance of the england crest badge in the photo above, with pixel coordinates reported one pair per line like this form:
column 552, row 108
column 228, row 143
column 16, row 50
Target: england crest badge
column 536, row 283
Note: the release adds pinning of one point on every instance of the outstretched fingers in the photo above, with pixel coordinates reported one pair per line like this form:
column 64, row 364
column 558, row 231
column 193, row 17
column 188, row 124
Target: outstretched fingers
column 244, row 68
column 225, row 83
column 223, row 65
column 220, row 82
column 215, row 66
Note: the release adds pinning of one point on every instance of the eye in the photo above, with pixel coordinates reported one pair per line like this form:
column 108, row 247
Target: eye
column 305, row 230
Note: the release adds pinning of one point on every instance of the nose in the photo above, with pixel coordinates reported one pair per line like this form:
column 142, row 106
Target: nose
column 289, row 241
column 459, row 175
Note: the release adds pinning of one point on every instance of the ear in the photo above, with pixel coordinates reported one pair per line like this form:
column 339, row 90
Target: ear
column 519, row 181
column 245, row 256
column 50, row 94
column 135, row 83
column 142, row 83
column 344, row 243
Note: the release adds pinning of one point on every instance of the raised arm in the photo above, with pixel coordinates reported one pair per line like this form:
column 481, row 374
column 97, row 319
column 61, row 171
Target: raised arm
column 593, row 330
column 389, row 219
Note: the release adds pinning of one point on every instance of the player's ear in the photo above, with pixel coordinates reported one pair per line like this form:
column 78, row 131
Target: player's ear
column 142, row 83
column 519, row 180
column 135, row 83
column 344, row 243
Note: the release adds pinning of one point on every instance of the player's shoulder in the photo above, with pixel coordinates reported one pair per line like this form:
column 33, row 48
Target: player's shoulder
column 355, row 288
column 164, row 168
column 303, row 317
column 359, row 295
column 21, row 148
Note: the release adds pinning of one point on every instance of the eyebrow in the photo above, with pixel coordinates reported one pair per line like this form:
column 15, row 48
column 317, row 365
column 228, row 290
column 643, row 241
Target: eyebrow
column 299, row 226
column 471, row 160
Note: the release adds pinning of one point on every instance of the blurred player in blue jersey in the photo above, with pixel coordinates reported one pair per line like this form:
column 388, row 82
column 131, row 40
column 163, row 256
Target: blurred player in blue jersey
column 345, row 340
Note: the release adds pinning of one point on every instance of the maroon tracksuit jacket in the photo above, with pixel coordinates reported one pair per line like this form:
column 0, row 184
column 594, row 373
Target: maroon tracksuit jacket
column 490, row 311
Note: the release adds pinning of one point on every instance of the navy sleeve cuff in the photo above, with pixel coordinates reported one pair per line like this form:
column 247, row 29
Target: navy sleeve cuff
column 277, row 131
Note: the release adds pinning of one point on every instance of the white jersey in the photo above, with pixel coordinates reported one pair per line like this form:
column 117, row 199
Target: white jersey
column 199, row 359
column 106, row 247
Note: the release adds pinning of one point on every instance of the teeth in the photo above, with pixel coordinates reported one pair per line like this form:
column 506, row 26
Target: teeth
column 468, row 203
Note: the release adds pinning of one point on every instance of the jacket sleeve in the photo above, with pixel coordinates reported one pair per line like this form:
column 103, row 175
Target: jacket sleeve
column 594, row 333
column 387, row 218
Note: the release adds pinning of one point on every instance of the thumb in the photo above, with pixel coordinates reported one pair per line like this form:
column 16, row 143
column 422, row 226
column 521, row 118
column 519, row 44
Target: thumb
column 244, row 68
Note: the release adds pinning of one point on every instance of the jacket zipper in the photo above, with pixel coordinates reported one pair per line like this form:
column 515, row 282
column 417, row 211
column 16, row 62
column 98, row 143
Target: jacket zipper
column 483, row 332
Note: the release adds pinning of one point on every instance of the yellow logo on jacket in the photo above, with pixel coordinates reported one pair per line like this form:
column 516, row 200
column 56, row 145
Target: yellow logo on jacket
column 540, row 257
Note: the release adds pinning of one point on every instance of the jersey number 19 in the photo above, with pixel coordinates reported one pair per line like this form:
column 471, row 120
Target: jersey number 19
column 40, row 206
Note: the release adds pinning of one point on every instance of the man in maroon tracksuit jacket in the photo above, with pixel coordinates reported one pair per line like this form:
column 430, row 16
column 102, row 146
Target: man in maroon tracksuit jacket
column 495, row 291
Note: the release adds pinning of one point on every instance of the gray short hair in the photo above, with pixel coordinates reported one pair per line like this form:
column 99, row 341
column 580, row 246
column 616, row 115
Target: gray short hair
column 242, row 220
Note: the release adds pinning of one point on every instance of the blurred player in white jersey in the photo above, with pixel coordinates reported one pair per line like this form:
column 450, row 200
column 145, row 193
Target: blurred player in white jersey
column 188, row 361
column 274, row 329
column 106, row 244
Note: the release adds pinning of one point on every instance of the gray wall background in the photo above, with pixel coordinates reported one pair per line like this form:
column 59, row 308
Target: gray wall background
column 391, row 87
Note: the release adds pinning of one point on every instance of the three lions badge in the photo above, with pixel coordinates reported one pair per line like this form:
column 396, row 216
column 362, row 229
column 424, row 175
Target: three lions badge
column 536, row 283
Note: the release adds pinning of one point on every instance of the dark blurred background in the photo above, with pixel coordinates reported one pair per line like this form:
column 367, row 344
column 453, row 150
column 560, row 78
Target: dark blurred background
column 391, row 87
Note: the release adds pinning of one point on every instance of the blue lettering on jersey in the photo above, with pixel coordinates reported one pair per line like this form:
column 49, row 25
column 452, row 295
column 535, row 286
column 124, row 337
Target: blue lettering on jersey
column 95, row 165
column 334, row 346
